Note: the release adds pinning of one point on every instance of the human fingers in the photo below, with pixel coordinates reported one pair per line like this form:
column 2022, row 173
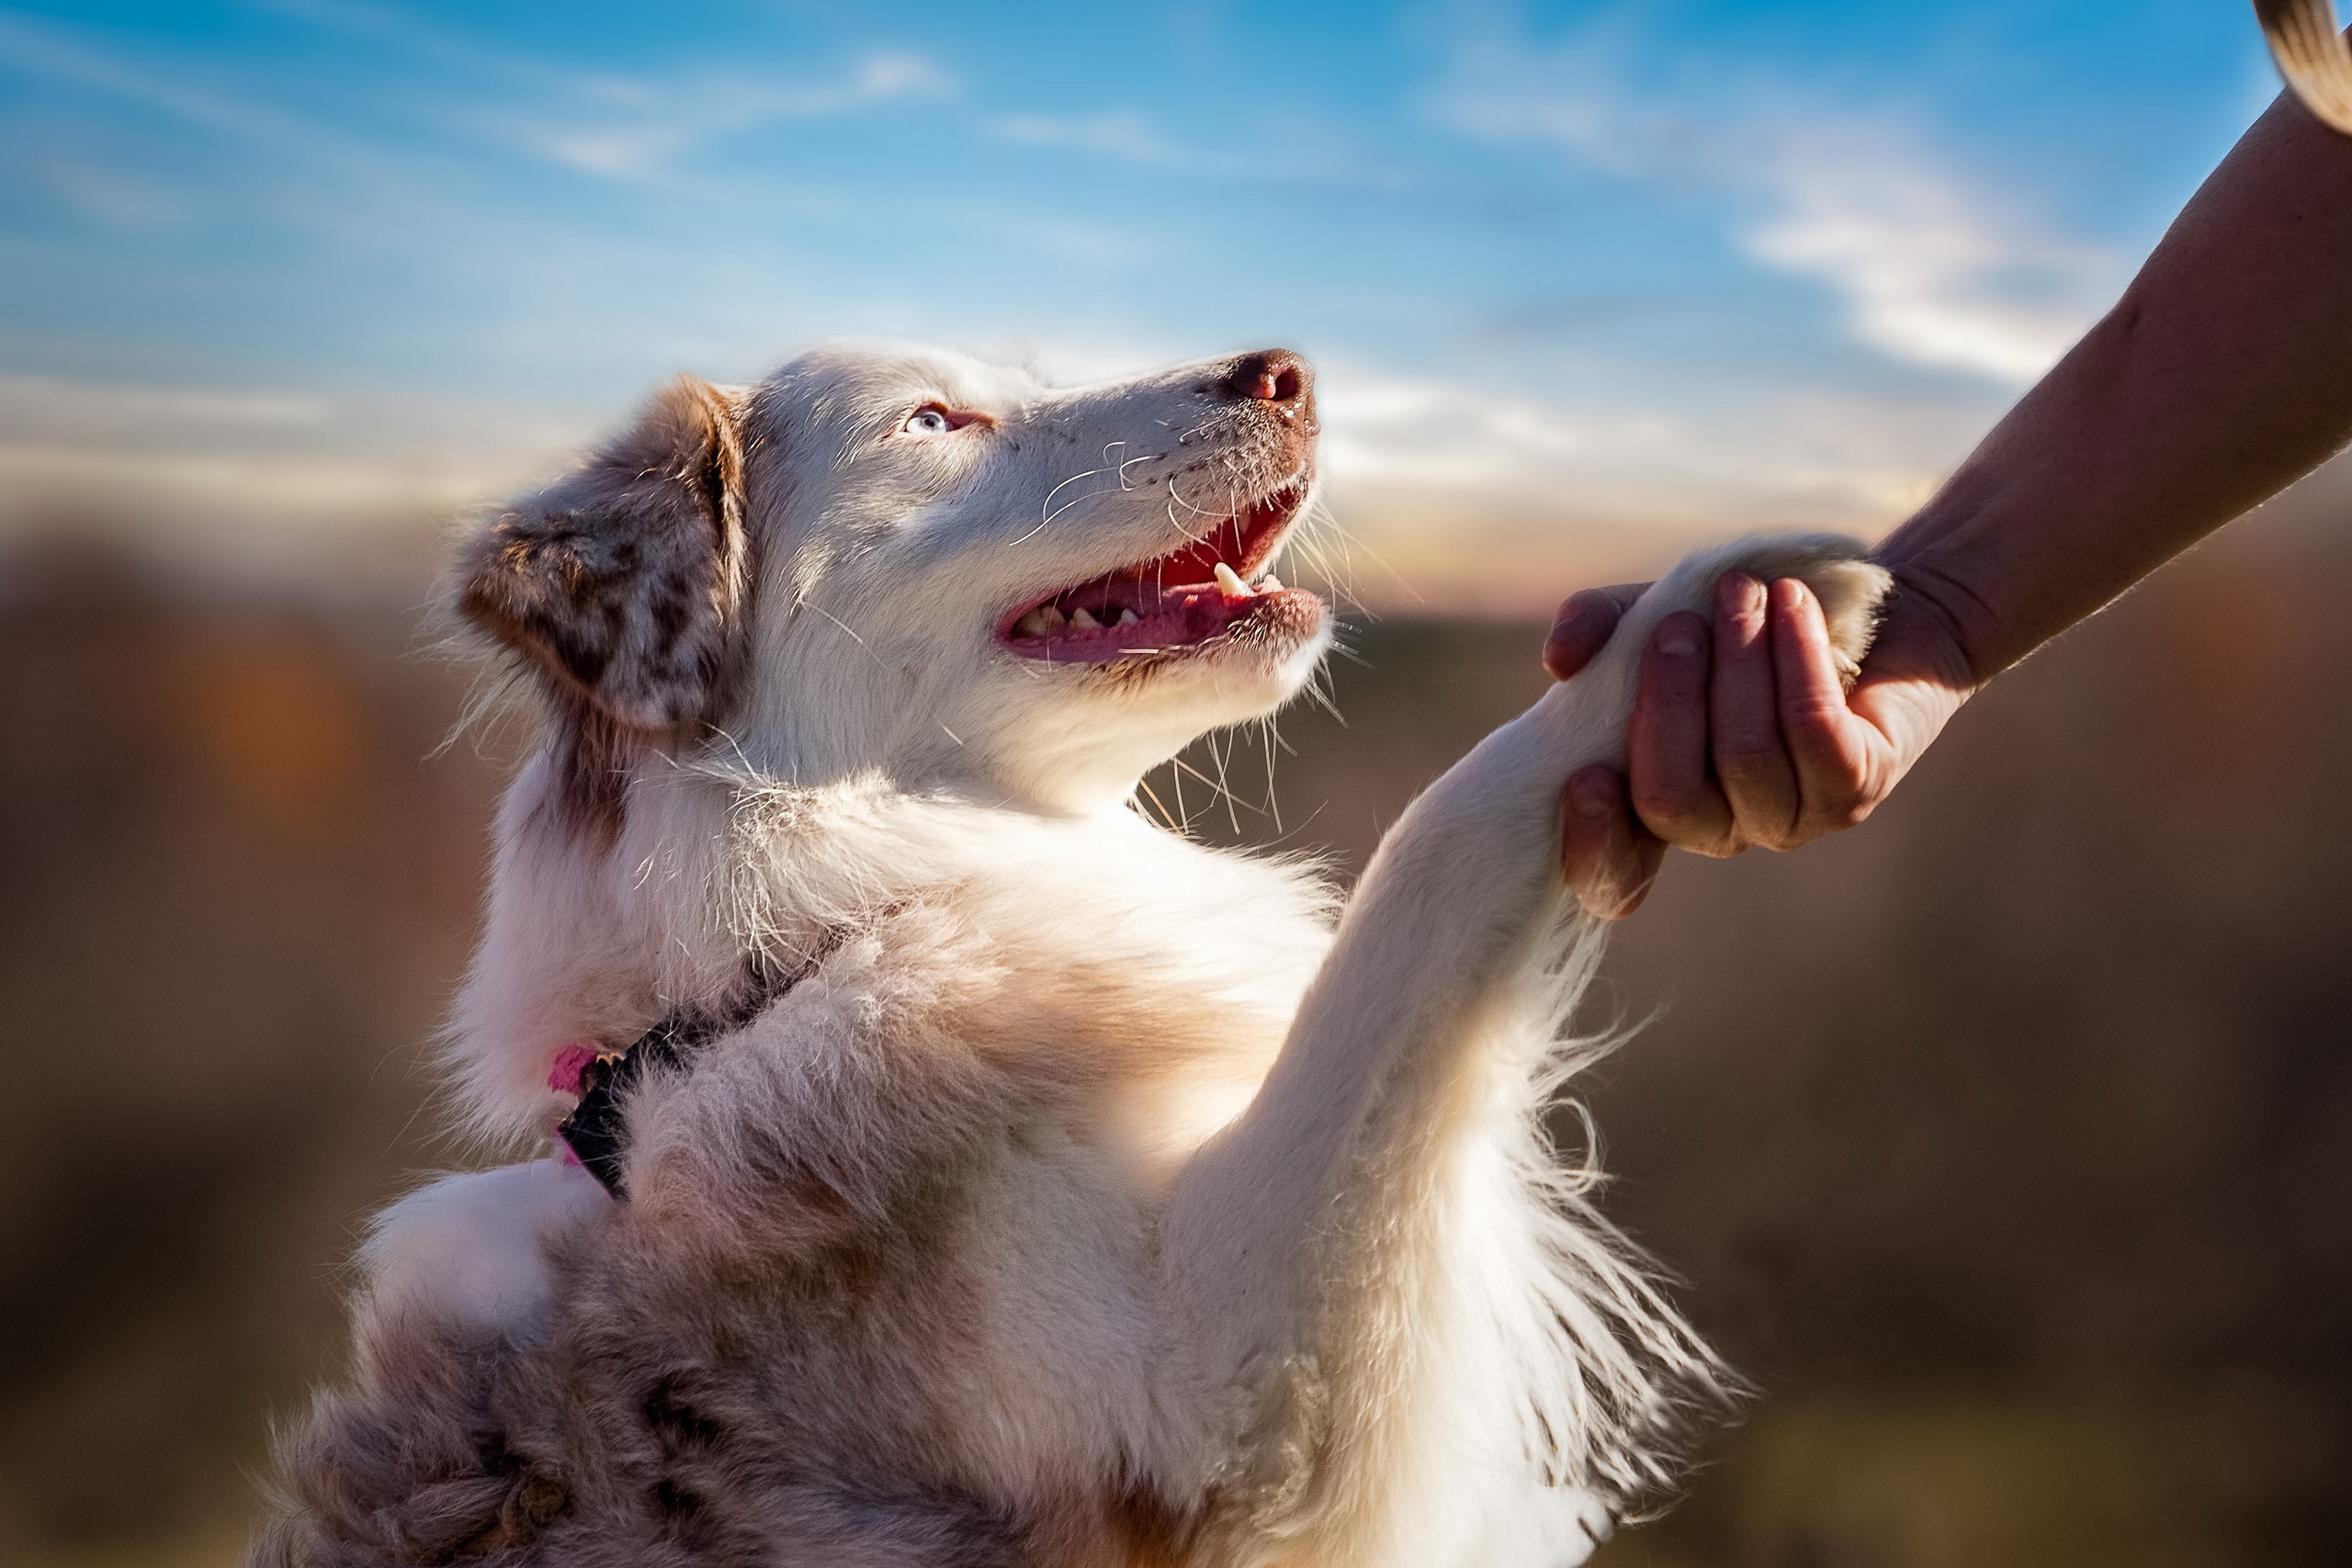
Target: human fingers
column 1836, row 756
column 1611, row 859
column 1582, row 626
column 1674, row 792
column 1752, row 767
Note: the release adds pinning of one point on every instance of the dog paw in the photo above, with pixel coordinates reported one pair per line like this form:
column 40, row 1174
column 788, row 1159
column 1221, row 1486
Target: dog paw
column 465, row 1249
column 1850, row 586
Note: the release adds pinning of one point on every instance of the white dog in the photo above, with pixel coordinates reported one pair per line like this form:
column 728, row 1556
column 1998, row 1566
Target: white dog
column 974, row 1173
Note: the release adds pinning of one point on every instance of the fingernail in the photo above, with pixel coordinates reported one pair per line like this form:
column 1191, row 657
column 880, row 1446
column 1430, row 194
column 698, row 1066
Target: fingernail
column 1678, row 638
column 1738, row 593
column 1590, row 799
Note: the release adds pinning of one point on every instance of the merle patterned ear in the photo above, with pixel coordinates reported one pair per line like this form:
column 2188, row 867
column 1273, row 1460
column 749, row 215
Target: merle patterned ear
column 621, row 580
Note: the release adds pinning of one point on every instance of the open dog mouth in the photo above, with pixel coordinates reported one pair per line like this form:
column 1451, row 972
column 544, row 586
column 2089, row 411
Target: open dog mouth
column 1178, row 601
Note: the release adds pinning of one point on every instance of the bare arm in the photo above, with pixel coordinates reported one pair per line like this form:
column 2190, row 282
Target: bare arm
column 2223, row 374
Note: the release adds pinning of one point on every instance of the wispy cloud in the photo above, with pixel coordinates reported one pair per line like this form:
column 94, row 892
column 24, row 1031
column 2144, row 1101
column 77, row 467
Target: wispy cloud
column 645, row 132
column 34, row 47
column 1117, row 133
column 390, row 177
column 1930, row 270
column 1931, row 265
column 50, row 407
column 1468, row 497
column 1843, row 458
column 626, row 125
column 259, row 459
column 329, row 186
column 1309, row 152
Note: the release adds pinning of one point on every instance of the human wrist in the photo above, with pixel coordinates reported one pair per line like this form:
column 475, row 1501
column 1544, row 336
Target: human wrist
column 1934, row 627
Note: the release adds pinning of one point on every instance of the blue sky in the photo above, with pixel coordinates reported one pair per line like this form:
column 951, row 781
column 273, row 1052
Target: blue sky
column 1585, row 281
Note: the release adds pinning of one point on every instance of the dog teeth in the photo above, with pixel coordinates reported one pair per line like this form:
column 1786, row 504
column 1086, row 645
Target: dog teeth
column 1128, row 617
column 1269, row 583
column 1043, row 621
column 1229, row 580
column 1079, row 620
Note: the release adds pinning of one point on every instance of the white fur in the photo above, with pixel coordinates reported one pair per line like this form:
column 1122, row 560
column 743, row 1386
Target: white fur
column 1258, row 1215
column 469, row 1247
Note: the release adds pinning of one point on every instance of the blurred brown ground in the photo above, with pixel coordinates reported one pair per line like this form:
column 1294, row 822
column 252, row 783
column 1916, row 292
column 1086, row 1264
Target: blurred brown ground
column 2006, row 1143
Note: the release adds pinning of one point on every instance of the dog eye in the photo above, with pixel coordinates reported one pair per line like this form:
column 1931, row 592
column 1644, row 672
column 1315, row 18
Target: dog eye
column 932, row 420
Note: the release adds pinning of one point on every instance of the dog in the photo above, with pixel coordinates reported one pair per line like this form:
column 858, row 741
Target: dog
column 954, row 1167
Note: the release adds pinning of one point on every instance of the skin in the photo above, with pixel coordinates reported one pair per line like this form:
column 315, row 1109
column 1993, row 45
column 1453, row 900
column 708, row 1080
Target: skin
column 2223, row 374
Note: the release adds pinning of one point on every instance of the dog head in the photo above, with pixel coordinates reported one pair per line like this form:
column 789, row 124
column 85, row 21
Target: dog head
column 908, row 562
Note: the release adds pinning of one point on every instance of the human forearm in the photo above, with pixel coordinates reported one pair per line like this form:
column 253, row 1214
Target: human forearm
column 2224, row 373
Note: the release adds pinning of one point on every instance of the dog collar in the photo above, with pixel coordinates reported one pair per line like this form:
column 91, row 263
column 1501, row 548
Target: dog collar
column 595, row 1131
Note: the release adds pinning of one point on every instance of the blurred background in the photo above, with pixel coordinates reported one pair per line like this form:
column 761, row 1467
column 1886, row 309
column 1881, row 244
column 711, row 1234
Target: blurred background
column 2002, row 1142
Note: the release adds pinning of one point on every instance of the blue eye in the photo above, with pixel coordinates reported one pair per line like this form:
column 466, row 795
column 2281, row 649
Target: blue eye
column 931, row 419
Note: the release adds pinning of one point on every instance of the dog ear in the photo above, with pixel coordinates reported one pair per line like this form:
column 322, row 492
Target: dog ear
column 622, row 582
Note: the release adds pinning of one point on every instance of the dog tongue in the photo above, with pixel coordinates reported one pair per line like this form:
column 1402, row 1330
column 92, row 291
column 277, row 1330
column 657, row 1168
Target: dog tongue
column 1179, row 599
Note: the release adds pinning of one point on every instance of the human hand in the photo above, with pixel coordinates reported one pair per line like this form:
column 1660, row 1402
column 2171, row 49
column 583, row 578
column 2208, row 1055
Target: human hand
column 1742, row 732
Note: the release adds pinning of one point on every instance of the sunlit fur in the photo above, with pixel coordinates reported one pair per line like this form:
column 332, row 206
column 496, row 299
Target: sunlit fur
column 1093, row 1200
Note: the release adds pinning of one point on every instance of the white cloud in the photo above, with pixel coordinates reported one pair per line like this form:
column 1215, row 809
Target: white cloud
column 1851, row 460
column 46, row 51
column 1474, row 497
column 631, row 129
column 260, row 460
column 1309, row 152
column 48, row 407
column 1116, row 133
column 1929, row 270
column 620, row 126
column 1932, row 267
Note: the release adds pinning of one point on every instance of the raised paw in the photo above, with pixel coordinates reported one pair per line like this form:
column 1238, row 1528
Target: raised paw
column 1847, row 584
column 1746, row 742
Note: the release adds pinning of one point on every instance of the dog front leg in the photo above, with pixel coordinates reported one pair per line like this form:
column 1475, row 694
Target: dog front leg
column 1298, row 1245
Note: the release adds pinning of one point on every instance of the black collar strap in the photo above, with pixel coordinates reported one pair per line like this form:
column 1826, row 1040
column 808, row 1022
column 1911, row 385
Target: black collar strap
column 594, row 1132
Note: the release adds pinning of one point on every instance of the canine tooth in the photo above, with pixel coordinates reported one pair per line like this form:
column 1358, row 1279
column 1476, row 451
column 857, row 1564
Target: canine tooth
column 1230, row 582
column 1128, row 617
column 1082, row 621
column 1269, row 583
column 1031, row 625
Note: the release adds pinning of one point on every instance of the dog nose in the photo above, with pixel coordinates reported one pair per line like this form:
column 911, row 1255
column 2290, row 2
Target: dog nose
column 1274, row 376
